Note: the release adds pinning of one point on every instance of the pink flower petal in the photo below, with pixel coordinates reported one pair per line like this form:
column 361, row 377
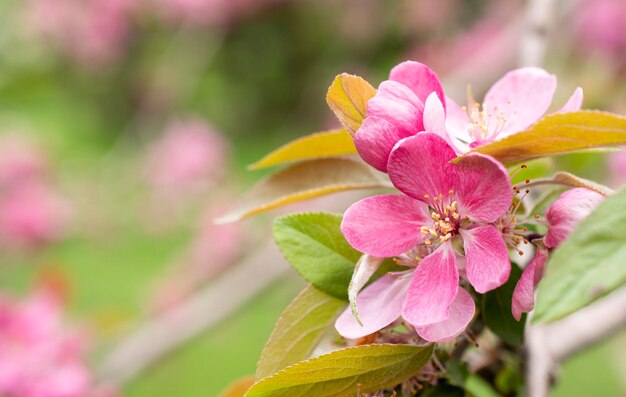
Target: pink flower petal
column 574, row 103
column 462, row 312
column 435, row 118
column 379, row 305
column 397, row 104
column 524, row 292
column 486, row 257
column 433, row 287
column 484, row 188
column 375, row 139
column 519, row 98
column 420, row 165
column 457, row 124
column 419, row 78
column 566, row 213
column 386, row 225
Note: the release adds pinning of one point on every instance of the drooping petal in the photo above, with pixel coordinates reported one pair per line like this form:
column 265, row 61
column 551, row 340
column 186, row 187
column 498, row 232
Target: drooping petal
column 518, row 100
column 385, row 225
column 574, row 103
column 363, row 271
column 419, row 78
column 566, row 213
column 420, row 165
column 397, row 104
column 486, row 258
column 375, row 139
column 524, row 292
column 457, row 126
column 433, row 287
column 462, row 311
column 484, row 188
column 380, row 304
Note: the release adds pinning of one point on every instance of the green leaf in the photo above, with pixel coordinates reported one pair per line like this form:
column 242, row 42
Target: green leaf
column 313, row 244
column 347, row 97
column 321, row 144
column 497, row 311
column 337, row 374
column 303, row 181
column 478, row 387
column 298, row 330
column 443, row 390
column 588, row 265
column 559, row 134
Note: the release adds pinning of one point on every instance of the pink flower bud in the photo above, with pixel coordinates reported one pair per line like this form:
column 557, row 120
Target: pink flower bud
column 566, row 213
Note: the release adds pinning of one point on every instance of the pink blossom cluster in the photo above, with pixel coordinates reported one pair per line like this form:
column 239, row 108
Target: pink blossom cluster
column 92, row 32
column 39, row 355
column 32, row 212
column 453, row 223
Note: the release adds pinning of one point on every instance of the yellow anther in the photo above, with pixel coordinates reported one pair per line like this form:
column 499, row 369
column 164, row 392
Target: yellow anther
column 451, row 192
column 424, row 230
column 427, row 242
column 441, row 196
column 432, row 232
column 427, row 196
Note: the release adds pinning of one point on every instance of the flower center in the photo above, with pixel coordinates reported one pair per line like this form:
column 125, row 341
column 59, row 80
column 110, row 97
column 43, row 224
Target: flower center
column 483, row 124
column 446, row 219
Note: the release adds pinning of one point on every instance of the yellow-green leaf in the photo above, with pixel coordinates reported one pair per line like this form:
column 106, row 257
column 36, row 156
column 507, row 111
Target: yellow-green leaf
column 347, row 97
column 298, row 330
column 337, row 374
column 558, row 134
column 304, row 181
column 321, row 144
column 239, row 387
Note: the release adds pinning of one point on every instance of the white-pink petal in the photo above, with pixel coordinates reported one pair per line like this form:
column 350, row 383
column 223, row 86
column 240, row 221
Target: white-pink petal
column 434, row 286
column 574, row 103
column 484, row 188
column 385, row 225
column 379, row 305
column 462, row 311
column 487, row 264
column 524, row 292
column 518, row 100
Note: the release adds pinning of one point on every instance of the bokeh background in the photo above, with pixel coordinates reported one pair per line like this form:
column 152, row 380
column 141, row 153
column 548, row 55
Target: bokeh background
column 126, row 127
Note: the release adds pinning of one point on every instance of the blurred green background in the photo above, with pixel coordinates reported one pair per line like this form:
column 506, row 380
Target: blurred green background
column 94, row 85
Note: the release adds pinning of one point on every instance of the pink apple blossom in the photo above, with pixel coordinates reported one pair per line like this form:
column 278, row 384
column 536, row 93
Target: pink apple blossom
column 512, row 104
column 562, row 217
column 444, row 205
column 39, row 355
column 396, row 111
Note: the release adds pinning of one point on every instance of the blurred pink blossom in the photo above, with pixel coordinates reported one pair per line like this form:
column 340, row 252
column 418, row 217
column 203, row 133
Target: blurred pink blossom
column 32, row 215
column 188, row 157
column 215, row 13
column 617, row 168
column 92, row 32
column 39, row 355
column 32, row 212
column 600, row 27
